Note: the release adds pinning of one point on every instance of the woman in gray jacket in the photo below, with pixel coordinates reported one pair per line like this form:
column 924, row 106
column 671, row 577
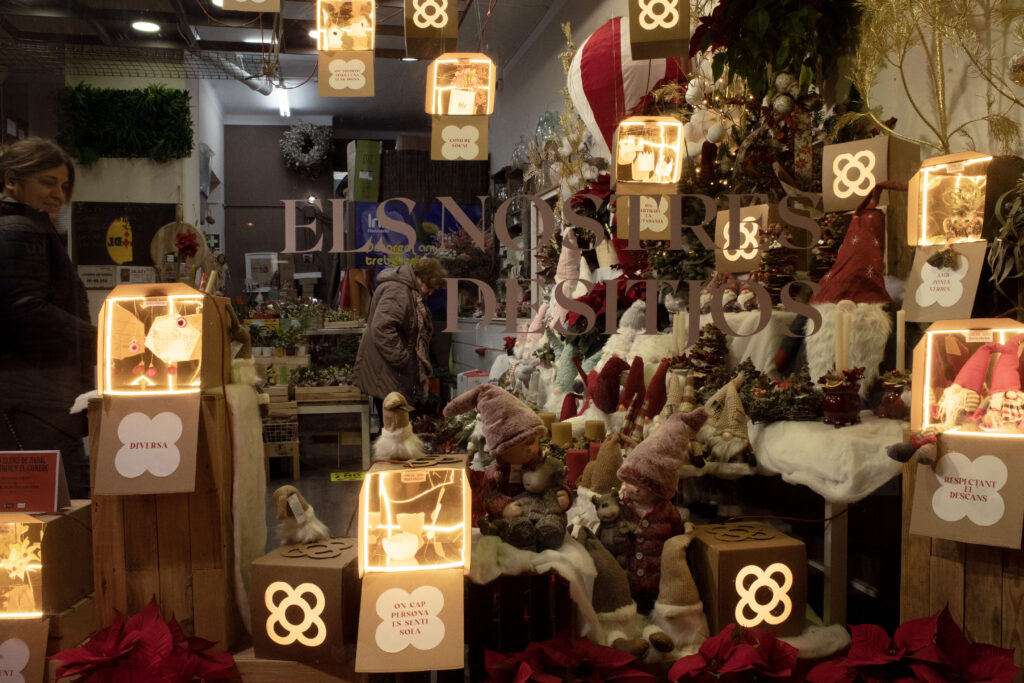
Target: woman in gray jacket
column 394, row 351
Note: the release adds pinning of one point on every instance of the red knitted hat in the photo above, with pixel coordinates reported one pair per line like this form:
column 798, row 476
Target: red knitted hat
column 655, row 463
column 857, row 273
column 604, row 391
column 507, row 421
column 568, row 408
column 634, row 384
column 656, row 393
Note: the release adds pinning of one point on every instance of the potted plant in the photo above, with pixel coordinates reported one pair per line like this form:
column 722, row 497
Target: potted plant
column 287, row 339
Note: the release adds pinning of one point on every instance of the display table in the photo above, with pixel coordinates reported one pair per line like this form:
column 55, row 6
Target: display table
column 840, row 470
column 360, row 407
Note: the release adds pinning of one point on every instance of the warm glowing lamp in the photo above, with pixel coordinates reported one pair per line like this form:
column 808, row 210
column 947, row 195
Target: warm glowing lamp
column 21, row 567
column 947, row 199
column 648, row 150
column 345, row 34
column 461, row 84
column 414, row 549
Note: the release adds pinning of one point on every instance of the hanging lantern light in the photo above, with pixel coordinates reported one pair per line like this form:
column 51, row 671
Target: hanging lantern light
column 460, row 96
column 414, row 549
column 431, row 27
column 346, row 32
column 648, row 162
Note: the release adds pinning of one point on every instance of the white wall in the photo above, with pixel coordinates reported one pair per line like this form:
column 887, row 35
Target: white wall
column 209, row 121
column 533, row 79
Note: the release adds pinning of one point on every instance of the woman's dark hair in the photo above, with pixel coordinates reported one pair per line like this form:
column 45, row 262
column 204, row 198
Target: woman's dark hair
column 26, row 157
column 430, row 272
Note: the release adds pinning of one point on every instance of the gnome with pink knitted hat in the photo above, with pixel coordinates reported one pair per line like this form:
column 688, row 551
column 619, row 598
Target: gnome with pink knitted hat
column 650, row 476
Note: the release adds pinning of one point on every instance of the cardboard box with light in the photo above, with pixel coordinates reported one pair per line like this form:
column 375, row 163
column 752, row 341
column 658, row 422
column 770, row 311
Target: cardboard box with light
column 752, row 575
column 946, row 203
column 414, row 549
column 346, row 31
column 21, row 566
column 459, row 98
column 648, row 161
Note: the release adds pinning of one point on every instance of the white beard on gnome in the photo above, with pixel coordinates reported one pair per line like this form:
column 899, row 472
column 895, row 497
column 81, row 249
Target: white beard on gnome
column 396, row 440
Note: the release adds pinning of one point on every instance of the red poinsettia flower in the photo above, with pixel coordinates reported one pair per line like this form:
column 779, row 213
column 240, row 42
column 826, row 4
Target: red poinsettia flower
column 564, row 659
column 145, row 648
column 724, row 657
column 600, row 188
column 597, row 298
column 187, row 244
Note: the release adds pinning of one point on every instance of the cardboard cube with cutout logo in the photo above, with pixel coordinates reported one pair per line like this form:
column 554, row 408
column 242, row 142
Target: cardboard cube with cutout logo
column 850, row 170
column 160, row 346
column 752, row 575
column 739, row 249
column 414, row 549
column 302, row 602
column 659, row 28
column 459, row 98
column 431, row 28
column 946, row 202
column 23, row 649
column 21, row 566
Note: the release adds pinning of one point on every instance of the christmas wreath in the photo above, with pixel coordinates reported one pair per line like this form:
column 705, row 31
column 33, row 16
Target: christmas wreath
column 305, row 147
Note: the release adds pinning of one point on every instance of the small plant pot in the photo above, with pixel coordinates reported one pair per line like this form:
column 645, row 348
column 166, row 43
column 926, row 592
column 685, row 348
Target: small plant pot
column 893, row 406
column 289, row 350
column 302, row 349
column 841, row 406
column 279, row 351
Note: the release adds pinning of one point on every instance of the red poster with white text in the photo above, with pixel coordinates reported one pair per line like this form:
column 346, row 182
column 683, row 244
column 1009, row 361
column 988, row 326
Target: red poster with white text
column 28, row 481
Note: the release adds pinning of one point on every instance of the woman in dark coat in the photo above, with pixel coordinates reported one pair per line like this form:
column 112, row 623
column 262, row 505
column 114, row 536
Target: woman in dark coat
column 394, row 353
column 47, row 350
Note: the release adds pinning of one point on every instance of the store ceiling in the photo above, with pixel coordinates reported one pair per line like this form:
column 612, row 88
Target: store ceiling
column 40, row 35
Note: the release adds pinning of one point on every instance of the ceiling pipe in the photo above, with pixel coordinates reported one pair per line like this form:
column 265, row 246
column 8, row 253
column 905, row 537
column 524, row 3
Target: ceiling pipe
column 260, row 84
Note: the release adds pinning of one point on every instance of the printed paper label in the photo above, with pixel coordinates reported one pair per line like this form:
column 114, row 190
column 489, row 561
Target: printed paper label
column 969, row 489
column 654, row 214
column 410, row 619
column 942, row 286
column 148, row 445
column 14, row 656
column 347, row 74
column 460, row 142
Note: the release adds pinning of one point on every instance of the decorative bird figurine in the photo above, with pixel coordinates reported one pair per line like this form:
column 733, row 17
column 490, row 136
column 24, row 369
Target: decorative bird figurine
column 396, row 440
column 299, row 524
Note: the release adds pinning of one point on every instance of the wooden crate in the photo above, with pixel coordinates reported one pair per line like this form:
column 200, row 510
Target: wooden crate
column 282, row 408
column 344, row 324
column 282, row 449
column 72, row 626
column 277, row 394
column 343, row 392
column 983, row 585
column 178, row 547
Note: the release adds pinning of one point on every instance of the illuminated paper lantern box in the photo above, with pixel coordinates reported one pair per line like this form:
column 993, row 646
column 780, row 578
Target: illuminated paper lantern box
column 159, row 347
column 459, row 98
column 751, row 575
column 414, row 549
column 850, row 170
column 431, row 27
column 955, row 365
column 21, row 566
column 346, row 32
column 946, row 202
column 740, row 250
column 66, row 556
column 302, row 602
column 648, row 161
column 659, row 28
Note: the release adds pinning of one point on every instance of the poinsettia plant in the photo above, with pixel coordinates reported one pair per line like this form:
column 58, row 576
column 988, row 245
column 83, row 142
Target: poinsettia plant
column 145, row 648
column 564, row 659
column 737, row 654
column 932, row 649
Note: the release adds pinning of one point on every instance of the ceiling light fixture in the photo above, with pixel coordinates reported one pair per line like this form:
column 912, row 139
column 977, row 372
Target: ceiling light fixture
column 314, row 34
column 266, row 40
column 282, row 100
column 218, row 3
column 410, row 59
column 145, row 26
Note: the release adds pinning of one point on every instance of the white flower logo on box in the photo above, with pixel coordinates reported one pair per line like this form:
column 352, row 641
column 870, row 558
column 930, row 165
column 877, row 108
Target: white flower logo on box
column 942, row 286
column 854, row 173
column 14, row 656
column 653, row 214
column 460, row 142
column 430, row 13
column 658, row 14
column 969, row 489
column 347, row 73
column 294, row 597
column 148, row 445
column 410, row 619
column 749, row 244
column 764, row 579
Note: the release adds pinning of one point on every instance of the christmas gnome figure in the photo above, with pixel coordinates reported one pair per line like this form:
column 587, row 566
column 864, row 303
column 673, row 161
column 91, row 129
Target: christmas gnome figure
column 599, row 477
column 512, row 432
column 856, row 275
column 724, row 435
column 678, row 612
column 650, row 476
column 622, row 627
